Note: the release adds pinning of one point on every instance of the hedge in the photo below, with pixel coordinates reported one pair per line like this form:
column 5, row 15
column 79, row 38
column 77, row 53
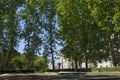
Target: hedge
column 16, row 71
column 78, row 70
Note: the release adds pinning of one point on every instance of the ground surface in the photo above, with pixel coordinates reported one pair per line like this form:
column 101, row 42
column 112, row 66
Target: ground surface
column 56, row 76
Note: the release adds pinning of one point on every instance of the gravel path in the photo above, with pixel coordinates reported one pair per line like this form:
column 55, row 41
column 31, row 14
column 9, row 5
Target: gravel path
column 56, row 76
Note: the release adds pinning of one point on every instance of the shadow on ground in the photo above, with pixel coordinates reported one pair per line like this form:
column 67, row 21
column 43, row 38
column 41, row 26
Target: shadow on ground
column 55, row 77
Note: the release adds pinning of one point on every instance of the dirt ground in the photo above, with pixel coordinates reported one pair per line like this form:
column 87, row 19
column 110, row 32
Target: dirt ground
column 57, row 76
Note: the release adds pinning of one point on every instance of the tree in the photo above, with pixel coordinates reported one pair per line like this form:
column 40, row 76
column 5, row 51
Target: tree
column 69, row 17
column 50, row 29
column 9, row 26
column 32, row 31
column 86, row 27
column 107, row 13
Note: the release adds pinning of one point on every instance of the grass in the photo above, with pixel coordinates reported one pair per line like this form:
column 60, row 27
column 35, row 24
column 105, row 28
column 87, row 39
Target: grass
column 109, row 74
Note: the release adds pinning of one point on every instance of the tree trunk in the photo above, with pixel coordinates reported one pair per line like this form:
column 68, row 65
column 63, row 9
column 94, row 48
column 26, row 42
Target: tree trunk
column 53, row 64
column 86, row 62
column 11, row 36
column 76, row 66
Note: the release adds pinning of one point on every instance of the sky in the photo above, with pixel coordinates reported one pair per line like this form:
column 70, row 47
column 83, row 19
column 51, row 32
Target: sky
column 21, row 46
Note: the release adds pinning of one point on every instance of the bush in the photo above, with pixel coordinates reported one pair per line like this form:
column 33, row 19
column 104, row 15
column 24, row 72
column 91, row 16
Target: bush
column 106, row 69
column 40, row 64
column 17, row 63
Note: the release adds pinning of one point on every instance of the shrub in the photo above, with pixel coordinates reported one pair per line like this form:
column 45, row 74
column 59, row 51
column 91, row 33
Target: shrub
column 40, row 64
column 17, row 62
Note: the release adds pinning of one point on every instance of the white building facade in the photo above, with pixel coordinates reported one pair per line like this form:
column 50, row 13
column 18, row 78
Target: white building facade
column 64, row 63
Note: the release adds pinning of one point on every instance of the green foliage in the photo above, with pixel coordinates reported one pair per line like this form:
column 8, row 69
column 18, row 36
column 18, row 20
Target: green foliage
column 18, row 62
column 87, row 27
column 50, row 29
column 106, row 69
column 40, row 64
column 9, row 23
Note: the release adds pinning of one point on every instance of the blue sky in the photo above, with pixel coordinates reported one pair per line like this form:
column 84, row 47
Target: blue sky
column 21, row 46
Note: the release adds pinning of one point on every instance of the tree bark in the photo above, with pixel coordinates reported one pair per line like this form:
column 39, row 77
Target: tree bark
column 86, row 62
column 11, row 35
column 53, row 63
column 76, row 66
